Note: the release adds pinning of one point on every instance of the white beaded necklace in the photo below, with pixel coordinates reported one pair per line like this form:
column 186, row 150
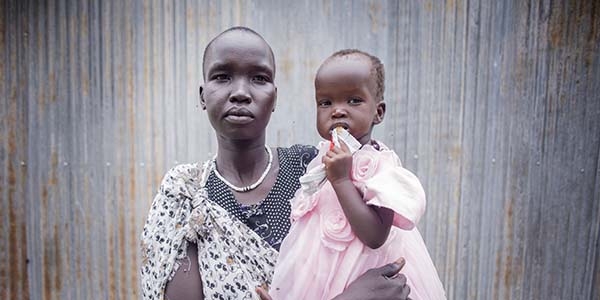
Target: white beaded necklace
column 248, row 187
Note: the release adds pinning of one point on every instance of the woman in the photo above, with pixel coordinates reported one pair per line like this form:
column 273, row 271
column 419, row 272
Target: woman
column 214, row 229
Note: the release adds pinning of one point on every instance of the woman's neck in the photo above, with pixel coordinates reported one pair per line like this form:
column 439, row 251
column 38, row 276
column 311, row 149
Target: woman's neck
column 242, row 162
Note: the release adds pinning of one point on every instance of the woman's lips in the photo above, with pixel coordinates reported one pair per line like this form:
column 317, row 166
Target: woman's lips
column 238, row 115
column 239, row 119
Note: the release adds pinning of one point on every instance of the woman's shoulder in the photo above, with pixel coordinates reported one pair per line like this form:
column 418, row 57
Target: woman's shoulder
column 180, row 177
column 178, row 188
column 184, row 171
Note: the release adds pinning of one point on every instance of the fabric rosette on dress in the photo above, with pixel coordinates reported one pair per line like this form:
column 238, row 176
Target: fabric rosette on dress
column 302, row 205
column 364, row 165
column 336, row 233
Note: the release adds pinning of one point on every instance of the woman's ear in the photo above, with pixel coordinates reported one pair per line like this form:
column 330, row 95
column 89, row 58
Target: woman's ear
column 380, row 113
column 202, row 102
column 275, row 102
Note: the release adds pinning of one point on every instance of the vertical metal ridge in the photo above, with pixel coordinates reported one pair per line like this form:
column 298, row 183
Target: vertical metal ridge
column 493, row 104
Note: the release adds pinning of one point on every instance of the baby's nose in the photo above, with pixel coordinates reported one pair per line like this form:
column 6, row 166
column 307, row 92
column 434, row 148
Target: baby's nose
column 338, row 112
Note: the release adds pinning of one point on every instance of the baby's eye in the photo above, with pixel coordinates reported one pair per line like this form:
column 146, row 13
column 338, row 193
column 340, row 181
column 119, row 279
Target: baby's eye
column 323, row 103
column 355, row 101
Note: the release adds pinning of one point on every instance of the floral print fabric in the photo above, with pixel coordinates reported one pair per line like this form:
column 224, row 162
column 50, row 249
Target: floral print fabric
column 233, row 258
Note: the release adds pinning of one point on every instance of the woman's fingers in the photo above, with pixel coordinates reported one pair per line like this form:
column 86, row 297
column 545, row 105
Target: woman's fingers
column 401, row 262
column 384, row 282
column 405, row 292
column 391, row 270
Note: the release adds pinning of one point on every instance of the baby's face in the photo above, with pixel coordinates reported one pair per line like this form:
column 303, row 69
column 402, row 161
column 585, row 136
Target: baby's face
column 345, row 95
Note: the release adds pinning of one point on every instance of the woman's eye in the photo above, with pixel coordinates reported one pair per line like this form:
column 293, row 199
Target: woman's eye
column 220, row 77
column 260, row 79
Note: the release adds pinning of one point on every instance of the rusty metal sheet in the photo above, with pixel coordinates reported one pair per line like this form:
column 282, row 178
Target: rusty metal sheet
column 495, row 105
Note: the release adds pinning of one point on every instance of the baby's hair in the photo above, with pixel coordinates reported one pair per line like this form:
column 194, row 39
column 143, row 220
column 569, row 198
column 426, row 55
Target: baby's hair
column 376, row 68
column 235, row 28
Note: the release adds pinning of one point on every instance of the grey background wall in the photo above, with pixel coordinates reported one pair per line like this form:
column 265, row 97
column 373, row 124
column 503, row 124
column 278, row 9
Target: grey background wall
column 494, row 105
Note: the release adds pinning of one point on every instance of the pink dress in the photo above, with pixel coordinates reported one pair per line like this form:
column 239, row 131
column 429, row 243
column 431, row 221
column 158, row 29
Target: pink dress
column 321, row 255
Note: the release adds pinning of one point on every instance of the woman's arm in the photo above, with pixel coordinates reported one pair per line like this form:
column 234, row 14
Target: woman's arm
column 186, row 284
column 370, row 224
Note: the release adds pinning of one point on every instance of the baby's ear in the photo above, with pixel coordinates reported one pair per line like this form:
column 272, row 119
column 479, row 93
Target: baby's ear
column 380, row 113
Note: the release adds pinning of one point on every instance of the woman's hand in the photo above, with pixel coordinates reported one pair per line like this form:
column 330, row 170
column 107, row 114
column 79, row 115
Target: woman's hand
column 381, row 283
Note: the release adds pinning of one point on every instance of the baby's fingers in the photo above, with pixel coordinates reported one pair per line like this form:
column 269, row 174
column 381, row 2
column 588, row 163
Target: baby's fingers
column 341, row 149
column 344, row 147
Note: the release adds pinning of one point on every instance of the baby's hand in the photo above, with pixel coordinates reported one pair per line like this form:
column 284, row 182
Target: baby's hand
column 338, row 163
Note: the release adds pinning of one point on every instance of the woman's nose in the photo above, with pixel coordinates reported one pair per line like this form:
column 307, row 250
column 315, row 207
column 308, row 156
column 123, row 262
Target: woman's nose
column 240, row 91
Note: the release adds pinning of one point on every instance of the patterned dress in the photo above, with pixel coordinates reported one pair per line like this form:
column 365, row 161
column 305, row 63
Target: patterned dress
column 236, row 243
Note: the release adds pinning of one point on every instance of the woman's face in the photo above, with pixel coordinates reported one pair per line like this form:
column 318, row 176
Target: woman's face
column 239, row 93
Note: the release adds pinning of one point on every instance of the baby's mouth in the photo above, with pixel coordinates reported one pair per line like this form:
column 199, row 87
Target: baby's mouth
column 336, row 125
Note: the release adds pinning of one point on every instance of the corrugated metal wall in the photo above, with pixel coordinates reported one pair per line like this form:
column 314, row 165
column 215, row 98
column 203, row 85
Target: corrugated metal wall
column 494, row 104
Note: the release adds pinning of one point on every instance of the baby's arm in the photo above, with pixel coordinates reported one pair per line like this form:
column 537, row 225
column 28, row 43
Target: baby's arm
column 370, row 224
